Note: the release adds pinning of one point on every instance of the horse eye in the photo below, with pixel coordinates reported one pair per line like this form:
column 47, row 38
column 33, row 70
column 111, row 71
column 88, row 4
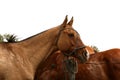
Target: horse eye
column 71, row 35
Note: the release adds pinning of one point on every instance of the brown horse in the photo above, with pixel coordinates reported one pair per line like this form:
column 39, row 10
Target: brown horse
column 100, row 66
column 19, row 60
column 52, row 67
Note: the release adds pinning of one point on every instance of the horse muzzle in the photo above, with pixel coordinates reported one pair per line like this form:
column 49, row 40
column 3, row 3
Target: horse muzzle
column 82, row 57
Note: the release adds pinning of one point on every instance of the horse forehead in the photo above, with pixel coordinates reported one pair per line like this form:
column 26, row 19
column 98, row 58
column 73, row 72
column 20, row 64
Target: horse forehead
column 70, row 30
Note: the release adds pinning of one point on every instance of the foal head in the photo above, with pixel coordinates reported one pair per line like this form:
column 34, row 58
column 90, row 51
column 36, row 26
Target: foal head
column 69, row 41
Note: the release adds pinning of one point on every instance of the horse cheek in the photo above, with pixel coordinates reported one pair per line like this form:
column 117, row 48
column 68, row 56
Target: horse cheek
column 63, row 45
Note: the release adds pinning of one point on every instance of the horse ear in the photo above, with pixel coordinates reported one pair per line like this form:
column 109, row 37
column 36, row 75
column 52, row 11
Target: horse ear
column 64, row 22
column 70, row 22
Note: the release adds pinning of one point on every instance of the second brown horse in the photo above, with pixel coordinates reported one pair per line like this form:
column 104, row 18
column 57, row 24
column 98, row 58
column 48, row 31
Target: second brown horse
column 101, row 66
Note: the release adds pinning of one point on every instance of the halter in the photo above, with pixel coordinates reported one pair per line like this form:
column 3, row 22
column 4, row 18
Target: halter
column 75, row 49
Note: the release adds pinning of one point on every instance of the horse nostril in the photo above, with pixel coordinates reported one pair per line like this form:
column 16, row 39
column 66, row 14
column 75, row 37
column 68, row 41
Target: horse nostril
column 85, row 53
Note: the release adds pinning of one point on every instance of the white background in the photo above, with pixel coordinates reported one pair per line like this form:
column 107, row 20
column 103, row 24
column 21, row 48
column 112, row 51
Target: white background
column 97, row 21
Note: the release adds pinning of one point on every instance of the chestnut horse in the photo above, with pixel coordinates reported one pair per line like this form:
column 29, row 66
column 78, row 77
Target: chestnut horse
column 100, row 66
column 54, row 64
column 19, row 60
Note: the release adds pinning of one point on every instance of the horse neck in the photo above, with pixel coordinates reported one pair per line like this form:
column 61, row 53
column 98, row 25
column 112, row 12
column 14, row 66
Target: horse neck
column 39, row 47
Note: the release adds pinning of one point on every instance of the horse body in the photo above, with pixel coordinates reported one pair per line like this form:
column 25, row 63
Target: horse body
column 100, row 66
column 19, row 60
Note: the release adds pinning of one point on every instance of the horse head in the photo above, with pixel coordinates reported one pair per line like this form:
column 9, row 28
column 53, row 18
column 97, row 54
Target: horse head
column 70, row 43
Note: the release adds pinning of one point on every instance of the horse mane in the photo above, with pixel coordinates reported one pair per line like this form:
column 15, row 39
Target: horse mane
column 12, row 38
column 34, row 35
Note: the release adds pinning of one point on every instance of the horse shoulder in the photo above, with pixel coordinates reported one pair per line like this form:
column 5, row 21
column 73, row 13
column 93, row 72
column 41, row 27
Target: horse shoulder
column 11, row 63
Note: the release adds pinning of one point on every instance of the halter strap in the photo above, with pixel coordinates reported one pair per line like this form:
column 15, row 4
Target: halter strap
column 74, row 51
